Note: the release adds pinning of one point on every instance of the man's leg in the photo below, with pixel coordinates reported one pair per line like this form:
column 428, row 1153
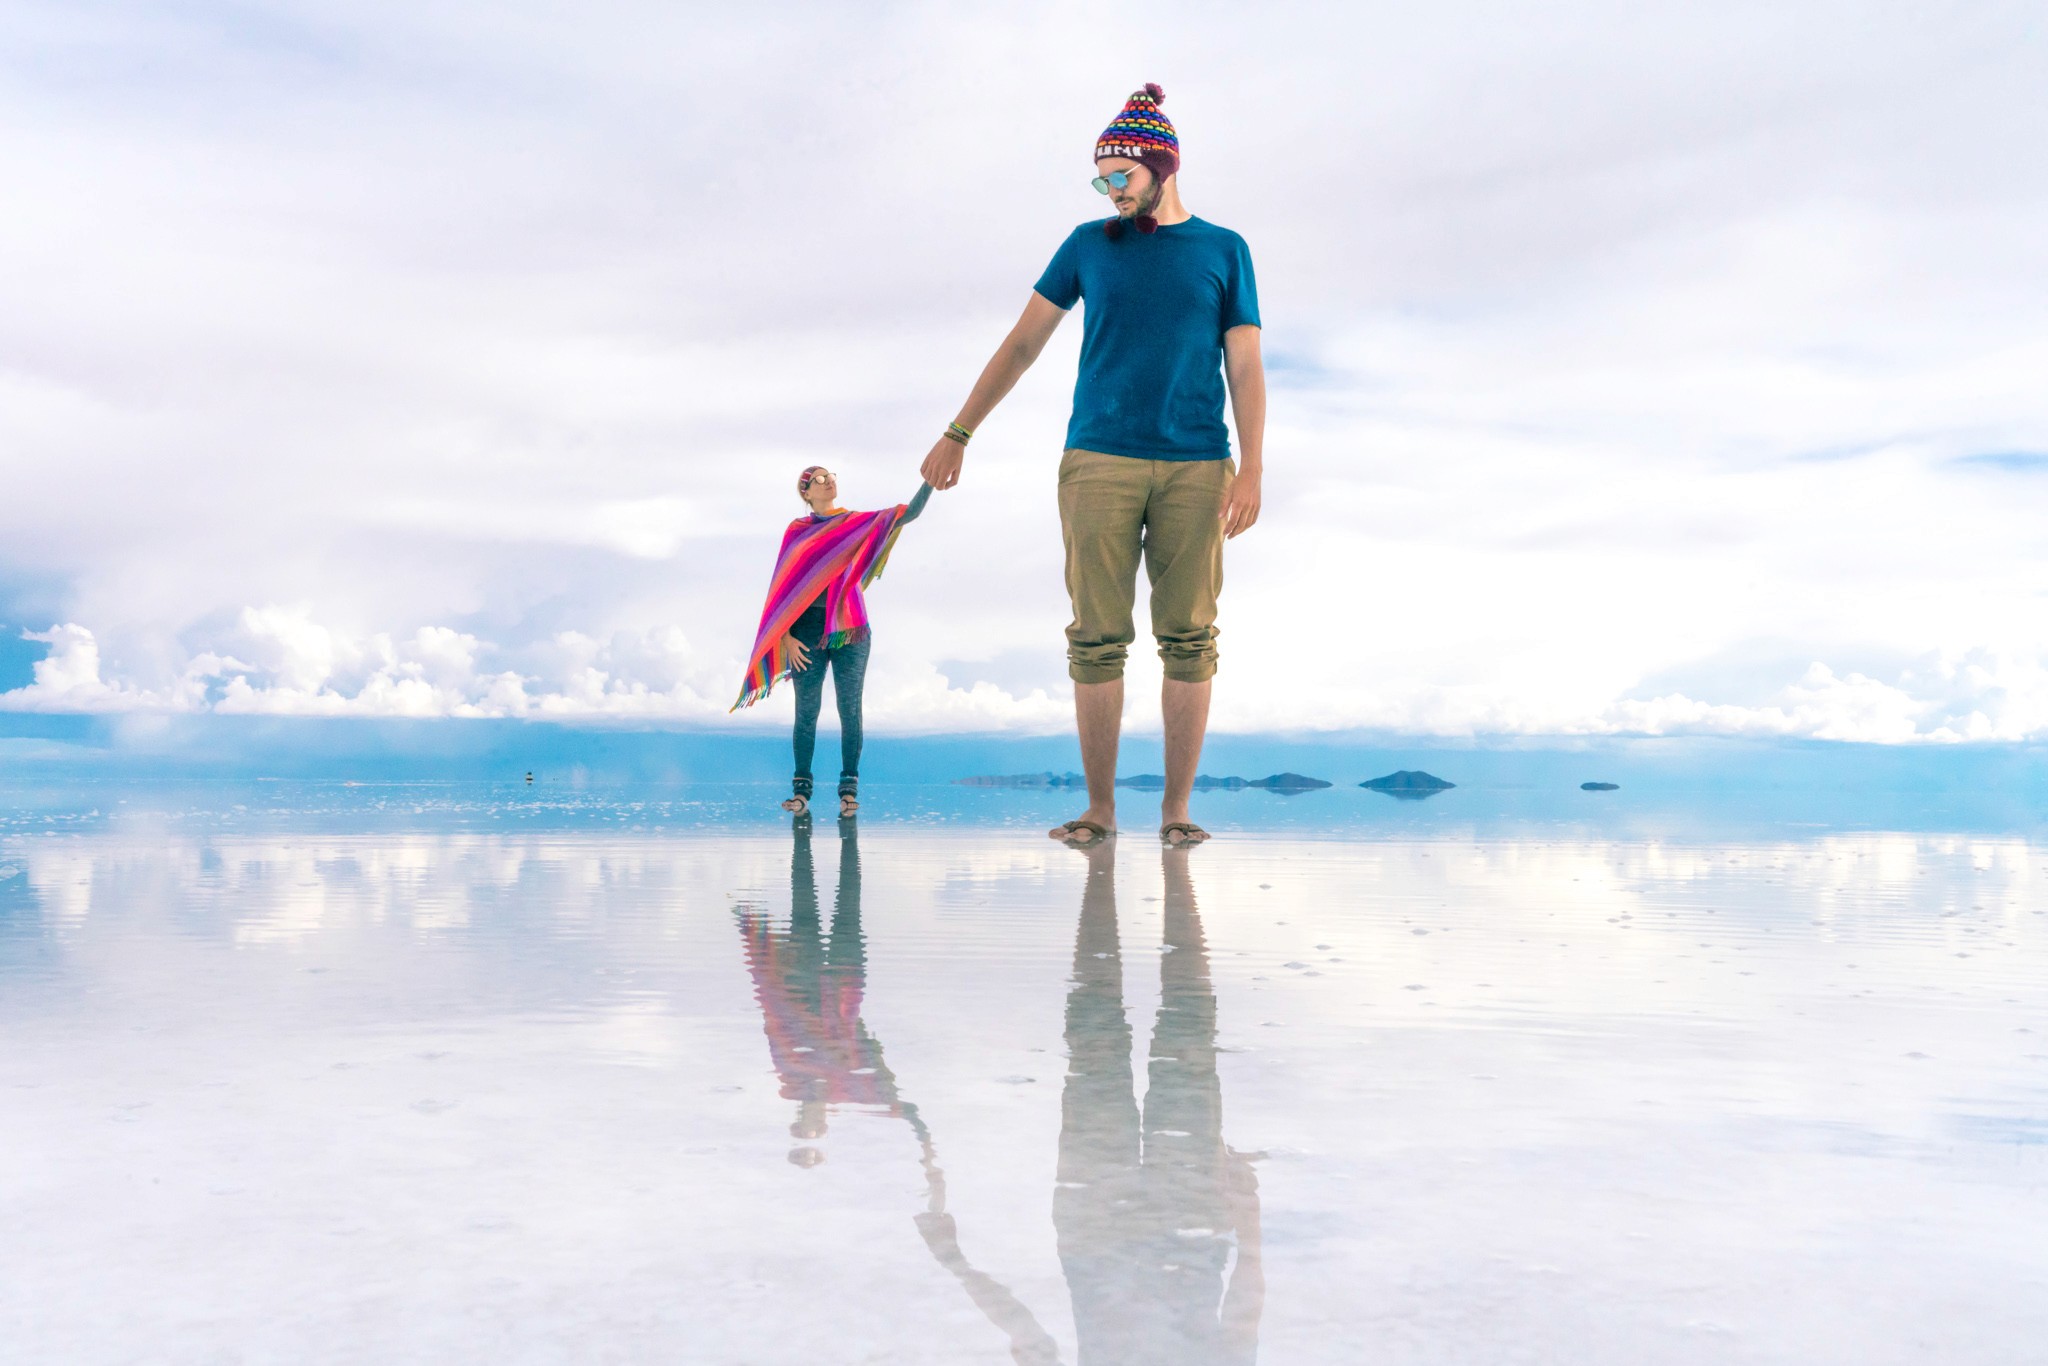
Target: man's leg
column 1102, row 510
column 1099, row 719
column 1184, row 561
column 1186, row 706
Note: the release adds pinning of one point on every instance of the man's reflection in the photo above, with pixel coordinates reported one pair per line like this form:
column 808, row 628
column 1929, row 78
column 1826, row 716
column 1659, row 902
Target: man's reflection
column 809, row 986
column 1146, row 1206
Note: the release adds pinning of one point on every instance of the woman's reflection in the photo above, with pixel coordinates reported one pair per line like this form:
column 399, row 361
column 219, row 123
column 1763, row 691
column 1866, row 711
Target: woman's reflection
column 809, row 986
column 810, row 989
column 1149, row 1208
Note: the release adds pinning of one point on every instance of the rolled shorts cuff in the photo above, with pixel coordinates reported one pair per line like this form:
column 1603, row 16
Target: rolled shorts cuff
column 1191, row 670
column 1095, row 673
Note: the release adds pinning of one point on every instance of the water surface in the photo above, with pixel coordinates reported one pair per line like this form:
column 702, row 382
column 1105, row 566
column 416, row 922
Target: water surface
column 306, row 1085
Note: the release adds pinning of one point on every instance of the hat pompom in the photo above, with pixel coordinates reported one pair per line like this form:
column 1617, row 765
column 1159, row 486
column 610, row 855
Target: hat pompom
column 1152, row 89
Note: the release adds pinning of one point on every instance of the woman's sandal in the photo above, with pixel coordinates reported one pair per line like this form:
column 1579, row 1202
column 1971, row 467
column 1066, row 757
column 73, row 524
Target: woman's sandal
column 848, row 805
column 1190, row 834
column 1094, row 834
column 797, row 805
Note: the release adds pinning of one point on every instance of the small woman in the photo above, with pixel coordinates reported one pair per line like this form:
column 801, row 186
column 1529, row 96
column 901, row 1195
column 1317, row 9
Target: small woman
column 816, row 619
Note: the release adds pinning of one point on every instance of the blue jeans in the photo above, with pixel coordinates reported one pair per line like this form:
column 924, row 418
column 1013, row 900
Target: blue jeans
column 849, row 665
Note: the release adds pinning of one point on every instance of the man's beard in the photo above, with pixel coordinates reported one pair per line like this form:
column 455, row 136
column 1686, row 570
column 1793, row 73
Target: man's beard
column 1146, row 204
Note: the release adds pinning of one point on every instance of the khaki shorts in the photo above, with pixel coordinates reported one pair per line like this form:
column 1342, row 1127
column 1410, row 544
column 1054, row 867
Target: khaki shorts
column 1113, row 509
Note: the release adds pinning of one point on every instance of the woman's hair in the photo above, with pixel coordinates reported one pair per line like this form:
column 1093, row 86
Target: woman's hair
column 803, row 481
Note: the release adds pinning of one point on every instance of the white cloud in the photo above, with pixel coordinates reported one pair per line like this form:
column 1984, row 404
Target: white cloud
column 442, row 673
column 68, row 677
column 430, row 360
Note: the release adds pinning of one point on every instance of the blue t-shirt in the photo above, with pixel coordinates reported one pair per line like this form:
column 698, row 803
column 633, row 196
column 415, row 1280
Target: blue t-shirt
column 1151, row 382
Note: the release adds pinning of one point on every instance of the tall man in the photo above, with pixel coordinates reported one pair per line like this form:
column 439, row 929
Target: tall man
column 1172, row 311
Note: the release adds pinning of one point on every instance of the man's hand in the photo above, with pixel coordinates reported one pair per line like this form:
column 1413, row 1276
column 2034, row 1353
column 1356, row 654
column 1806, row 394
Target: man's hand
column 799, row 656
column 1241, row 508
column 941, row 469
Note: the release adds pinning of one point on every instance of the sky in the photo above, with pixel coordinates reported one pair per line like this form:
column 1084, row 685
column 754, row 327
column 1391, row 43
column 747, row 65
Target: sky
column 1636, row 368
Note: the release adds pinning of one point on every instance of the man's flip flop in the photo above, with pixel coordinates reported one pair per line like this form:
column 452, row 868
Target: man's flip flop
column 1190, row 833
column 1094, row 833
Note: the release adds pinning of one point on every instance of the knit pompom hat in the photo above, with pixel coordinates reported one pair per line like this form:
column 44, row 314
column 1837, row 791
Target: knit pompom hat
column 1142, row 133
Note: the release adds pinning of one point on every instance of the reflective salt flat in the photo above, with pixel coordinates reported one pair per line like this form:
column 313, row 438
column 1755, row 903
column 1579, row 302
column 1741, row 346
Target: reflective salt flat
column 965, row 1095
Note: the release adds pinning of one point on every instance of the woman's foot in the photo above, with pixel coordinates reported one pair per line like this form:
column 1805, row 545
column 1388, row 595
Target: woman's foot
column 797, row 805
column 848, row 804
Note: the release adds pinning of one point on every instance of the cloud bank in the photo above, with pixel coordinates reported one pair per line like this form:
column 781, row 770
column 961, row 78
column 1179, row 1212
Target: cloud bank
column 1636, row 368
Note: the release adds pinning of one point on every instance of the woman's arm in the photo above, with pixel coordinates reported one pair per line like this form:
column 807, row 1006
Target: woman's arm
column 941, row 468
column 924, row 494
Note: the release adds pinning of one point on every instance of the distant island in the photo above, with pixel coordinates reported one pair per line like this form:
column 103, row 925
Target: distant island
column 1409, row 784
column 1285, row 783
column 1279, row 782
column 1599, row 787
column 1025, row 780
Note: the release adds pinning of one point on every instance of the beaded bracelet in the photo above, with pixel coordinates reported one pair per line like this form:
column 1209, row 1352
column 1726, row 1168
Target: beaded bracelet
column 956, row 432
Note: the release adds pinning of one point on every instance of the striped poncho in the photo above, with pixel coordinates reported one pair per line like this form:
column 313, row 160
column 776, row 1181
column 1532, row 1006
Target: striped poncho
column 837, row 556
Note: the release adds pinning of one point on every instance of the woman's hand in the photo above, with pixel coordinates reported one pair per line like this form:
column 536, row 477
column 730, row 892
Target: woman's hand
column 799, row 657
column 941, row 469
column 1241, row 508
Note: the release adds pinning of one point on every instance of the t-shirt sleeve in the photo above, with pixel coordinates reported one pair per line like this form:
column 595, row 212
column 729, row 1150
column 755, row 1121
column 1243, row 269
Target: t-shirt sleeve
column 1240, row 288
column 1060, row 286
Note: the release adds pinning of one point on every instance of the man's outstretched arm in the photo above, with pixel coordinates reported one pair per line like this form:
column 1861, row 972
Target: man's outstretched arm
column 941, row 469
column 1246, row 372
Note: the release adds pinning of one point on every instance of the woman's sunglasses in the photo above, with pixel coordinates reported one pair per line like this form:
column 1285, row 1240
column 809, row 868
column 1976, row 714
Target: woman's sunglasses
column 1115, row 180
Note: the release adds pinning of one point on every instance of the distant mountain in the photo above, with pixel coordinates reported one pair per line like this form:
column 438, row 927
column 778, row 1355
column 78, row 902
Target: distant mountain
column 1025, row 780
column 1279, row 782
column 1290, row 782
column 1599, row 787
column 1409, row 784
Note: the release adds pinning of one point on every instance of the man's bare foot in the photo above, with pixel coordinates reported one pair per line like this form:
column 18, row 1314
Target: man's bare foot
column 796, row 804
column 1085, row 831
